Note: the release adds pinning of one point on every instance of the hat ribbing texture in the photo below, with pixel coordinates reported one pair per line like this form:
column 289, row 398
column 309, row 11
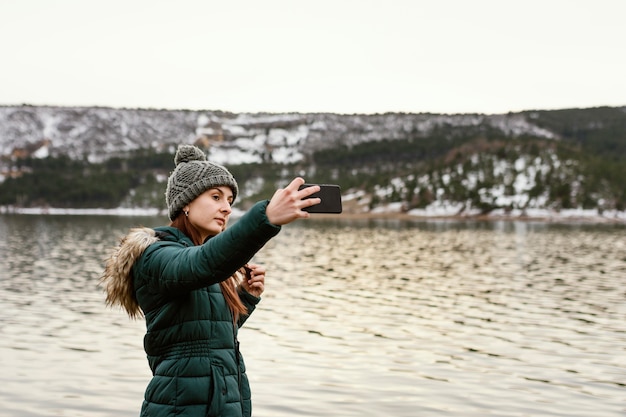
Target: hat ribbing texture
column 192, row 176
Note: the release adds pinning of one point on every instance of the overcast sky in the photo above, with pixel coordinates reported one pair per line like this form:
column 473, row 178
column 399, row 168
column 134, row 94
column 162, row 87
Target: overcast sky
column 339, row 56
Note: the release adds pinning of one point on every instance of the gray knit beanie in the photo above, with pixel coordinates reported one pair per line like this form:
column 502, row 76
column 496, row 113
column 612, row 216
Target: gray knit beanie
column 192, row 176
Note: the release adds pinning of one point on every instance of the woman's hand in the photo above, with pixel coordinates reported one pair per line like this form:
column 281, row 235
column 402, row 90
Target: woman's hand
column 254, row 281
column 287, row 203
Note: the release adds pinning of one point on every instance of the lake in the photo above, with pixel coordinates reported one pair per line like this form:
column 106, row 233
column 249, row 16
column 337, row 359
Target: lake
column 359, row 318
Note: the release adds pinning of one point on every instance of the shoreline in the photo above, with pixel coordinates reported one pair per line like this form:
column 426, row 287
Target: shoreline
column 545, row 216
column 475, row 218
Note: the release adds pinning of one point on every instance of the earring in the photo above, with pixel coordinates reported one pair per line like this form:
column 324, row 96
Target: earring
column 186, row 213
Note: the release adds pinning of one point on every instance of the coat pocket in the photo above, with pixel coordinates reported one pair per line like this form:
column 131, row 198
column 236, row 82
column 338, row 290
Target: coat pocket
column 217, row 399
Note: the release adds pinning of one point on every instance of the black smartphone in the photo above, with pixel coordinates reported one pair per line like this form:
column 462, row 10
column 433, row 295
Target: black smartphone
column 330, row 194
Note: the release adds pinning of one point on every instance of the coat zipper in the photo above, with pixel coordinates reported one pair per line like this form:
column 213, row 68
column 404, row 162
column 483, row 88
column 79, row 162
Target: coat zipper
column 238, row 364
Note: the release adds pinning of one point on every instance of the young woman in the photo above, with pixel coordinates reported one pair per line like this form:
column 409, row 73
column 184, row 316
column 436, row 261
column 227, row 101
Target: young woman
column 193, row 284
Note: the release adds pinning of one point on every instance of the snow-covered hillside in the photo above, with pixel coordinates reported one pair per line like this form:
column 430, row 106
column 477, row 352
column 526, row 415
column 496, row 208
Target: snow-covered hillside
column 477, row 180
column 99, row 133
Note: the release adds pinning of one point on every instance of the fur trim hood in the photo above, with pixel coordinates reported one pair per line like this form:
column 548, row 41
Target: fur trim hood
column 117, row 279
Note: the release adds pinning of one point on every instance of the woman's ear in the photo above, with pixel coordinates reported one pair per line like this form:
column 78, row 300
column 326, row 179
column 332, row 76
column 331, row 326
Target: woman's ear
column 186, row 210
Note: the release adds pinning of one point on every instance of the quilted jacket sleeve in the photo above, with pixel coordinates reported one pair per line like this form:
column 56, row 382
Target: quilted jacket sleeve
column 171, row 268
column 250, row 301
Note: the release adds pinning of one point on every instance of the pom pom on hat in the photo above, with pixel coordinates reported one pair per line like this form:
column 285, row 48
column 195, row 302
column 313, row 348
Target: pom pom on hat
column 192, row 176
column 186, row 153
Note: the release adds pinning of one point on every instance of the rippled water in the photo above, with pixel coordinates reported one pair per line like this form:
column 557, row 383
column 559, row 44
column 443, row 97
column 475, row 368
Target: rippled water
column 358, row 319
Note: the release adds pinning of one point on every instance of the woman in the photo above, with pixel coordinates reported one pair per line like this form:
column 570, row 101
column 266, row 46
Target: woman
column 186, row 279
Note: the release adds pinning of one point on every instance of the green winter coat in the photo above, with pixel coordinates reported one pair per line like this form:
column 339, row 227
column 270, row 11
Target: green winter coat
column 191, row 340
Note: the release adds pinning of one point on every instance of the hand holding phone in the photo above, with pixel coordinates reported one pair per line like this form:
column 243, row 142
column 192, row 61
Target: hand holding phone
column 286, row 204
column 330, row 194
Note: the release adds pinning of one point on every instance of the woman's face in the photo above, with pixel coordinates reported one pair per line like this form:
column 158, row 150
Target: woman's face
column 209, row 212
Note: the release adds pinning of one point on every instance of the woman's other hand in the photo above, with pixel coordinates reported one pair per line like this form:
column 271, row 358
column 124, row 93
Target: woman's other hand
column 254, row 281
column 287, row 203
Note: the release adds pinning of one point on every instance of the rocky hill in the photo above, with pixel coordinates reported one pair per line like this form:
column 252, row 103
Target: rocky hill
column 415, row 163
column 100, row 133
